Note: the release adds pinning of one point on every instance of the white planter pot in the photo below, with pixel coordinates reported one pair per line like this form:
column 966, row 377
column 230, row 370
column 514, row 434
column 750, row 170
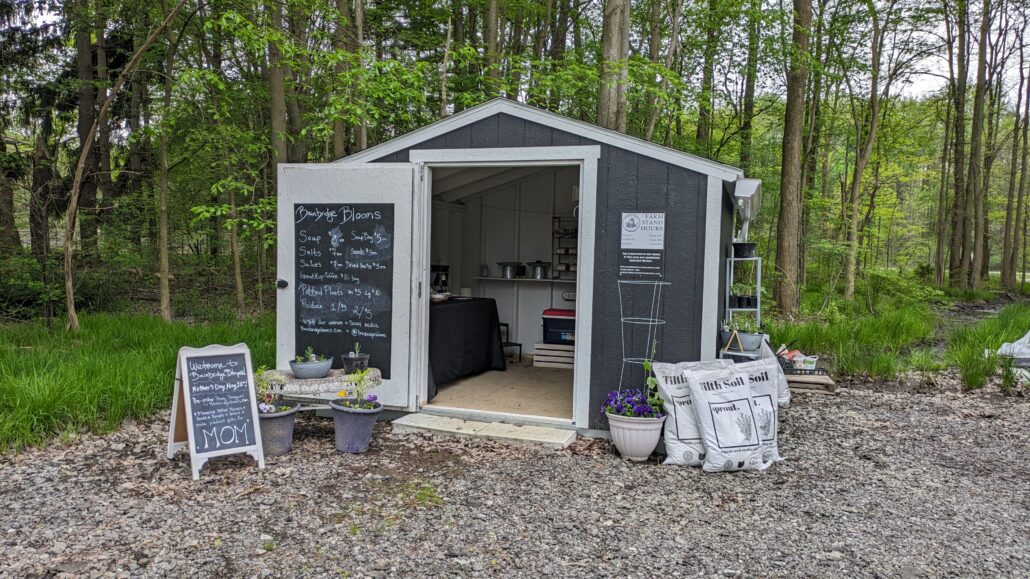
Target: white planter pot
column 635, row 438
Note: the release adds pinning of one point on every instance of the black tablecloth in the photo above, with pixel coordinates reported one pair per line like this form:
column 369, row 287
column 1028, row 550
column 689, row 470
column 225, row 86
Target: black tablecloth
column 464, row 339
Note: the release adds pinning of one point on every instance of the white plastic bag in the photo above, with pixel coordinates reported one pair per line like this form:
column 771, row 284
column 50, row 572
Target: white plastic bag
column 782, row 388
column 726, row 420
column 764, row 376
column 683, row 445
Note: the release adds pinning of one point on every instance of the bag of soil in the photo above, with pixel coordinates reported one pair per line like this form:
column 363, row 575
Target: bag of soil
column 726, row 420
column 764, row 376
column 683, row 445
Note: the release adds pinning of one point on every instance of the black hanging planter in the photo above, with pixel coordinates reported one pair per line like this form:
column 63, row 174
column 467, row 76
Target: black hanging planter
column 744, row 249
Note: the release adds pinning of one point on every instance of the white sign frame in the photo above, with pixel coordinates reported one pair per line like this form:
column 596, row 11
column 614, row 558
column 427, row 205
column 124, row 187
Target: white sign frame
column 317, row 183
column 182, row 406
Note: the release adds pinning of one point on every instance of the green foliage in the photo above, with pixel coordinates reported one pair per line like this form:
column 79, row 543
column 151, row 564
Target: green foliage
column 874, row 344
column 116, row 367
column 973, row 349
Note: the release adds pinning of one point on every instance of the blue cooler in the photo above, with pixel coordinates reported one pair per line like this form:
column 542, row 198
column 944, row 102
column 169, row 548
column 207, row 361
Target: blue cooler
column 559, row 326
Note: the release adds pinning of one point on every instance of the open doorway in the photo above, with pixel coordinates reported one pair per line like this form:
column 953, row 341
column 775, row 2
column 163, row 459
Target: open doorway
column 503, row 242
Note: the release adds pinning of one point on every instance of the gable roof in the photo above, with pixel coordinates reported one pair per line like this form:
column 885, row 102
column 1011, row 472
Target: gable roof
column 555, row 121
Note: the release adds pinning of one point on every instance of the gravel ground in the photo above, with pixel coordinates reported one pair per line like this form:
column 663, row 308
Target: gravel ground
column 875, row 484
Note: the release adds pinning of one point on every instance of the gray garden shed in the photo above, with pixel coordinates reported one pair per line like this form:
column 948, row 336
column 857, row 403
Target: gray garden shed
column 636, row 236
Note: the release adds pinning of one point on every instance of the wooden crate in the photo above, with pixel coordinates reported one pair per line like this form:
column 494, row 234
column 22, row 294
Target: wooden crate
column 553, row 355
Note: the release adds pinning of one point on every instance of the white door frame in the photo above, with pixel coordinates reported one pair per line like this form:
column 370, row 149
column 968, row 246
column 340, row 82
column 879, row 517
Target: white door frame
column 585, row 157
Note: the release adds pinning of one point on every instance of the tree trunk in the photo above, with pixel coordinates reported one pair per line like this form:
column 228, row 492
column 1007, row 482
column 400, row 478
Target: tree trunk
column 670, row 61
column 942, row 201
column 359, row 43
column 163, row 267
column 443, row 70
column 39, row 198
column 1008, row 279
column 706, row 98
column 786, row 290
column 612, row 99
column 957, row 270
column 1021, row 212
column 105, row 184
column 234, row 249
column 754, row 14
column 87, row 105
column 974, row 185
column 493, row 47
column 277, row 90
column 341, row 42
column 10, row 241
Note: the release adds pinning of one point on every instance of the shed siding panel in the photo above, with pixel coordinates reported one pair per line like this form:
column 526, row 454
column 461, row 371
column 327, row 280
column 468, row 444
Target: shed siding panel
column 626, row 181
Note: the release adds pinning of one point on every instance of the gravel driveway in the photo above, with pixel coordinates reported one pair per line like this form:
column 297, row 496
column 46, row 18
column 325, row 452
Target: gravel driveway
column 875, row 484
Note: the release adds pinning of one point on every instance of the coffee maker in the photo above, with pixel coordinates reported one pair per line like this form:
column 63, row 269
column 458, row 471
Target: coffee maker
column 440, row 274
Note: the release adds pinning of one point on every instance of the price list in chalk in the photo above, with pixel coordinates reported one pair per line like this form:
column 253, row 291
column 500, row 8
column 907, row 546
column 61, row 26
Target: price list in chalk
column 344, row 276
column 220, row 402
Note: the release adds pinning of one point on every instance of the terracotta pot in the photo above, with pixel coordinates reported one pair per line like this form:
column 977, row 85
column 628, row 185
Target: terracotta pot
column 635, row 438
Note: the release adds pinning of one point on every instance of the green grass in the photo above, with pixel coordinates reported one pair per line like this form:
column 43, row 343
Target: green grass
column 53, row 382
column 876, row 345
column 967, row 345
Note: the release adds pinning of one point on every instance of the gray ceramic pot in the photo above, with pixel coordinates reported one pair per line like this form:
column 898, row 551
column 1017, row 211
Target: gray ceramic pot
column 309, row 370
column 277, row 430
column 353, row 426
column 750, row 342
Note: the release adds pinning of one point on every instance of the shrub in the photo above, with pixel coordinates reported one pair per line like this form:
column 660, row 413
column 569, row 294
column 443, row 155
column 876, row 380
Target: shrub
column 973, row 349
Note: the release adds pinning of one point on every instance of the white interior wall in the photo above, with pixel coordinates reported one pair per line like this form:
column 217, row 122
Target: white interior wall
column 508, row 223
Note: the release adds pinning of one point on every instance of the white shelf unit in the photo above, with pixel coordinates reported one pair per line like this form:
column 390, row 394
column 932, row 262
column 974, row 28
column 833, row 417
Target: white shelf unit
column 526, row 279
column 731, row 267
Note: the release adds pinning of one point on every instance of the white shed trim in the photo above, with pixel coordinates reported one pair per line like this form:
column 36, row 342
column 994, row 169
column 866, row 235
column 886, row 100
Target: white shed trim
column 712, row 257
column 555, row 121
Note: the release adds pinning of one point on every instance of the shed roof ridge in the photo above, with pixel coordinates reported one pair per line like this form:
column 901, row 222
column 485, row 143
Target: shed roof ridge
column 554, row 120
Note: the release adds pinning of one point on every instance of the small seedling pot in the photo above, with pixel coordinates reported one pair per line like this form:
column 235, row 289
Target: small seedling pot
column 277, row 430
column 354, row 362
column 353, row 426
column 310, row 370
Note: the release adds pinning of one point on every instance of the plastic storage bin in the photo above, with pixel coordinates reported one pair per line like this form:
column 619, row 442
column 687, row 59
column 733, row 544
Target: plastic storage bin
column 559, row 326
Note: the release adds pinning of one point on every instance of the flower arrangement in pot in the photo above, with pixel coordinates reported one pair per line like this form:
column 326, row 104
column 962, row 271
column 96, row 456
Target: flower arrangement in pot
column 635, row 418
column 275, row 418
column 309, row 365
column 354, row 360
column 354, row 415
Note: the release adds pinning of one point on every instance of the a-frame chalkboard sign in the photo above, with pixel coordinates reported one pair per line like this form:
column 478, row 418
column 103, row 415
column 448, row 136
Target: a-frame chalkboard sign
column 214, row 407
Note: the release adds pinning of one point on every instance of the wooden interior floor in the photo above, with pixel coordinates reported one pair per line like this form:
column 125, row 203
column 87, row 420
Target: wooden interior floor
column 521, row 389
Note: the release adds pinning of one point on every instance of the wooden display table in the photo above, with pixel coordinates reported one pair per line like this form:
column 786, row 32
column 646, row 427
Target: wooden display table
column 315, row 393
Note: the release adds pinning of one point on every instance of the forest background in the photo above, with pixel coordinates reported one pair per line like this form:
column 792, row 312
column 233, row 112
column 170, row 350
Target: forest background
column 890, row 136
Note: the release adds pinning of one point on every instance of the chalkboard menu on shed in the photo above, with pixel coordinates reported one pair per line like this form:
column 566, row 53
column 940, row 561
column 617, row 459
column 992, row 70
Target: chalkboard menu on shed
column 344, row 276
column 214, row 408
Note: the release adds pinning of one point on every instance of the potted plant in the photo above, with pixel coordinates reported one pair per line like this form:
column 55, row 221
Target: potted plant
column 742, row 295
column 275, row 418
column 309, row 365
column 635, row 418
column 354, row 415
column 748, row 332
column 354, row 360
